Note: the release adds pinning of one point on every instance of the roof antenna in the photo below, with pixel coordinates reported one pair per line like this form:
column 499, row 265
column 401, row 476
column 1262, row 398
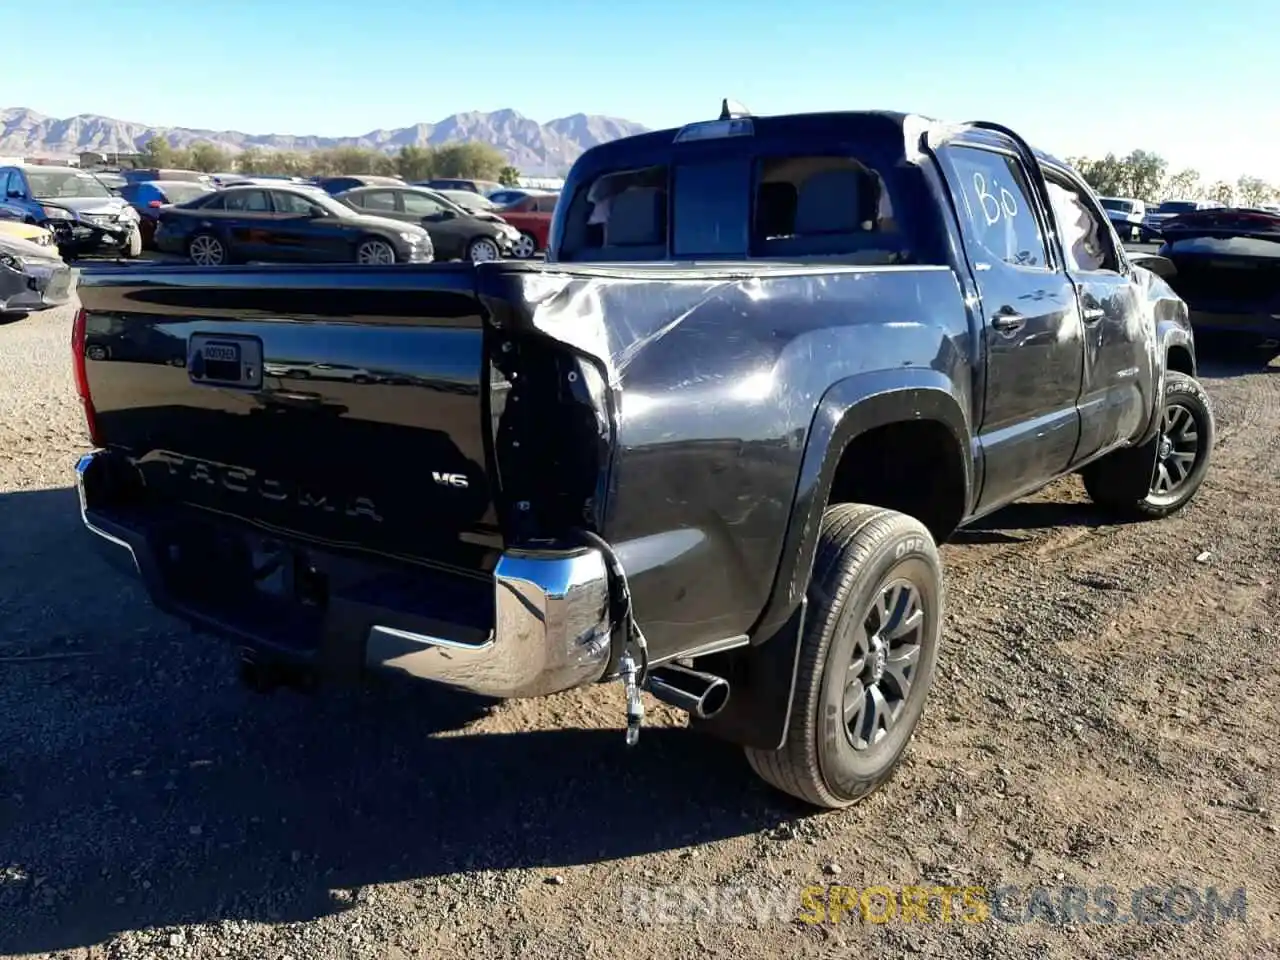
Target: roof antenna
column 732, row 109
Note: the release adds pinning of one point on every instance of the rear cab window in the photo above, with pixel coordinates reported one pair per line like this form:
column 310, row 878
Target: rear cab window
column 786, row 195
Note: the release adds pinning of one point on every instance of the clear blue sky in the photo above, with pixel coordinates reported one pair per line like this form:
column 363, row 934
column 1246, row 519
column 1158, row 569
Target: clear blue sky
column 1191, row 79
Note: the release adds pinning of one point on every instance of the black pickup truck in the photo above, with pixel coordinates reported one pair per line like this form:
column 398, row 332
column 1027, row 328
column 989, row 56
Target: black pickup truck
column 705, row 450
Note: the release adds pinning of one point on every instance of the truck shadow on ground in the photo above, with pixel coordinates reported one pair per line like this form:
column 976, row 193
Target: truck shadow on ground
column 1033, row 515
column 141, row 785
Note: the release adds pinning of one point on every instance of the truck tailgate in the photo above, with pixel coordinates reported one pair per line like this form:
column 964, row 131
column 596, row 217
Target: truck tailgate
column 330, row 405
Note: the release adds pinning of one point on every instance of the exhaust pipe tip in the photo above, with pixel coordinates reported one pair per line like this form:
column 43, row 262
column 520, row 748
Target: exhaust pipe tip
column 702, row 695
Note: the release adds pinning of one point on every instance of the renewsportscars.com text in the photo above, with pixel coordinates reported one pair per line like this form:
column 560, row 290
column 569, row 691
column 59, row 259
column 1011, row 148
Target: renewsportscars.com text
column 881, row 904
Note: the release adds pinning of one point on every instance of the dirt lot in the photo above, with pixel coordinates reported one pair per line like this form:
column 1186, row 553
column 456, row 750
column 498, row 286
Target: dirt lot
column 1105, row 715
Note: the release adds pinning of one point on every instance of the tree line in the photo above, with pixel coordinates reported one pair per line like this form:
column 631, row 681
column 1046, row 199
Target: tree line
column 1143, row 175
column 467, row 160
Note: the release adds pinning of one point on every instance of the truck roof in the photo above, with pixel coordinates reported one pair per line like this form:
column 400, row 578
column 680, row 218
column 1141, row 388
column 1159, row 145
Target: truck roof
column 883, row 126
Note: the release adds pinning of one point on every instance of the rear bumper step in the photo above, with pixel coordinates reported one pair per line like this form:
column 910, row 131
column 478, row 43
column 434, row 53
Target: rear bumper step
column 539, row 627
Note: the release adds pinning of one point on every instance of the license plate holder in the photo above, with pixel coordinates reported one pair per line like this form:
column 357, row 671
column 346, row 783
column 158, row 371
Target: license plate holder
column 220, row 360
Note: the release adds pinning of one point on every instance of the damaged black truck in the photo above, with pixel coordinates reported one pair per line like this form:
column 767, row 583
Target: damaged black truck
column 706, row 450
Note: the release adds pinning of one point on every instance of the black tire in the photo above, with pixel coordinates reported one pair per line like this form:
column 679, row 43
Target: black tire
column 1130, row 481
column 863, row 552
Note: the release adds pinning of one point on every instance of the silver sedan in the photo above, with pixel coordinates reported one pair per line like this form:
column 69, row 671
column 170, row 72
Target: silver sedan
column 32, row 277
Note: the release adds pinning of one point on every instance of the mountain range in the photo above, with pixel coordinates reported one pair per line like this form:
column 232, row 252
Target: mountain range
column 537, row 149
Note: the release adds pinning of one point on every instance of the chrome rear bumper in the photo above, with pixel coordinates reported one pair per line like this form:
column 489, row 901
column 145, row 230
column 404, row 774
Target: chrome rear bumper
column 549, row 630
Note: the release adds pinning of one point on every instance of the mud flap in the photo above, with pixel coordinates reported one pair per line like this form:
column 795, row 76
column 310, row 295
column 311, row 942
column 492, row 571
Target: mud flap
column 762, row 680
column 1126, row 473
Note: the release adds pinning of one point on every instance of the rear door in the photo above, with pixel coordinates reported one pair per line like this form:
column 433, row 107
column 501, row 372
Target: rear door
column 250, row 225
column 1119, row 374
column 1032, row 330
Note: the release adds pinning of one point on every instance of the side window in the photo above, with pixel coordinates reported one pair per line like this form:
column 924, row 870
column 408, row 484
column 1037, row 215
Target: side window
column 823, row 205
column 1085, row 233
column 995, row 200
column 215, row 201
column 420, row 205
column 249, row 201
column 291, row 203
column 9, row 182
column 619, row 216
column 378, row 201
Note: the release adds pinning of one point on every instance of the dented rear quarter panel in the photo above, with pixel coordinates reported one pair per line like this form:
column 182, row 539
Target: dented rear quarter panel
column 718, row 374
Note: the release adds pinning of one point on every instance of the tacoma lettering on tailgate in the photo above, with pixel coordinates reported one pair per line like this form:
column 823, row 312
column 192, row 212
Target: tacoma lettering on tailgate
column 247, row 481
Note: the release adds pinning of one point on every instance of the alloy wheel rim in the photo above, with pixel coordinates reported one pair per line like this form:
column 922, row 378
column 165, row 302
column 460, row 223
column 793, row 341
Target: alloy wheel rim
column 525, row 247
column 1177, row 450
column 882, row 670
column 206, row 251
column 375, row 252
column 483, row 250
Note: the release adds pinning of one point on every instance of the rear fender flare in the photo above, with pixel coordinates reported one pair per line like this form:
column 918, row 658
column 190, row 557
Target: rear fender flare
column 851, row 407
column 762, row 676
column 1170, row 335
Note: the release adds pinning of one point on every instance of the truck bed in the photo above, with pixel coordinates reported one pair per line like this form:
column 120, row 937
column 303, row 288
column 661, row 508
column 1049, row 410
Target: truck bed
column 444, row 414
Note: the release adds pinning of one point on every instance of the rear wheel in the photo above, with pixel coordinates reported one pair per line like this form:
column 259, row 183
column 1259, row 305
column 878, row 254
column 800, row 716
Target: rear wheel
column 1161, row 476
column 524, row 247
column 867, row 657
column 206, row 250
column 375, row 251
column 482, row 249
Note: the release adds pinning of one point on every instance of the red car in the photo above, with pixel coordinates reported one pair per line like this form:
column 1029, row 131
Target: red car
column 531, row 215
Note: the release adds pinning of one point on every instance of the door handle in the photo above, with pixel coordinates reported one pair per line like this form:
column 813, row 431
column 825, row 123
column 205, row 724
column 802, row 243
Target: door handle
column 1008, row 321
column 1093, row 314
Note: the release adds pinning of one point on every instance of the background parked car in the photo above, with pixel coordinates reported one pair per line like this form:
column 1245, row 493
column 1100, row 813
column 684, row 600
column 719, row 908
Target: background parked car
column 260, row 180
column 286, row 223
column 482, row 187
column 168, row 174
column 509, row 195
column 531, row 215
column 456, row 233
column 1126, row 214
column 30, row 232
column 336, row 185
column 83, row 213
column 112, row 181
column 467, row 200
column 149, row 197
column 1227, row 270
column 32, row 277
column 1158, row 215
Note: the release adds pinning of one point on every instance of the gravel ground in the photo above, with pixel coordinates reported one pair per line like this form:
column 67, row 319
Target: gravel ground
column 1104, row 715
